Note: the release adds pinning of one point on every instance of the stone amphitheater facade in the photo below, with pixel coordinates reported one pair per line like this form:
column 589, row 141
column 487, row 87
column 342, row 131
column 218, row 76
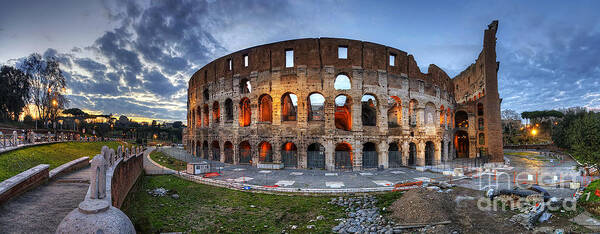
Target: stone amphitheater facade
column 341, row 104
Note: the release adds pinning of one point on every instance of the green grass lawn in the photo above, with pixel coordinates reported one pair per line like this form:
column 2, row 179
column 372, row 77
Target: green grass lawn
column 207, row 209
column 591, row 204
column 167, row 161
column 17, row 161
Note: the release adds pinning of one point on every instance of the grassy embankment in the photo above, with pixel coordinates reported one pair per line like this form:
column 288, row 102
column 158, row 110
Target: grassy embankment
column 167, row 161
column 17, row 161
column 208, row 209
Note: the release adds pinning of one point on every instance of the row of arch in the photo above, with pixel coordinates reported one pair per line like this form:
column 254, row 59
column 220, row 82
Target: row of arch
column 315, row 157
column 316, row 111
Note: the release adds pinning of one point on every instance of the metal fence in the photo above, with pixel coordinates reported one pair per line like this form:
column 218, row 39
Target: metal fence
column 343, row 160
column 394, row 159
column 370, row 159
column 316, row 159
column 228, row 155
column 245, row 156
column 289, row 158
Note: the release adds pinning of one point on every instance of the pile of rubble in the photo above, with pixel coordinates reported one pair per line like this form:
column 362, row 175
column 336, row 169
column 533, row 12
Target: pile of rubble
column 533, row 205
column 363, row 216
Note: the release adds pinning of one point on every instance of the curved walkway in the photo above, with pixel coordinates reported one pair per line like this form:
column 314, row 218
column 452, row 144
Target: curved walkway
column 40, row 210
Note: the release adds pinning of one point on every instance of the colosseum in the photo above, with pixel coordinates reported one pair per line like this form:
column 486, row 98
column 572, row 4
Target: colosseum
column 341, row 104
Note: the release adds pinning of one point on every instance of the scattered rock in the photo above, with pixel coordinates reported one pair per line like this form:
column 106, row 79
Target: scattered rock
column 294, row 227
column 320, row 217
column 310, row 226
column 158, row 192
column 252, row 206
column 175, row 196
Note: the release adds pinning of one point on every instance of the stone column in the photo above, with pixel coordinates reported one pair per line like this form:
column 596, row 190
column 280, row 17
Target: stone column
column 437, row 156
column 383, row 154
column 421, row 153
column 329, row 155
column 236, row 150
column 302, row 155
column 276, row 147
column 405, row 153
column 222, row 149
column 357, row 156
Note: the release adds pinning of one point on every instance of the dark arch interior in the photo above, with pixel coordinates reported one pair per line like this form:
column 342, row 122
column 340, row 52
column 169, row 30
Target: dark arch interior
column 461, row 144
column 461, row 119
column 315, row 156
column 245, row 154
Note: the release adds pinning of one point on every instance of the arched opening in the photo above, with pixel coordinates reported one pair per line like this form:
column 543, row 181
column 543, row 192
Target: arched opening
column 429, row 153
column 216, row 112
column 343, row 112
column 461, row 119
column 412, row 112
column 265, row 109
column 449, row 117
column 370, row 159
column 480, row 123
column 198, row 149
column 316, row 156
column 289, row 155
column 198, row 117
column 461, row 144
column 343, row 156
column 228, row 110
column 430, row 114
column 481, row 139
column 206, row 95
column 245, row 153
column 289, row 104
column 228, row 151
column 442, row 116
column 394, row 156
column 265, row 152
column 205, row 116
column 205, row 149
column 412, row 154
column 216, row 151
column 316, row 107
column 245, row 112
column 479, row 109
column 395, row 112
column 342, row 82
column 368, row 110
column 245, row 86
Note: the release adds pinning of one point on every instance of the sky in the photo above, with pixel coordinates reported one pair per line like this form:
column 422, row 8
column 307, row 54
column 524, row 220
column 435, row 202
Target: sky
column 134, row 58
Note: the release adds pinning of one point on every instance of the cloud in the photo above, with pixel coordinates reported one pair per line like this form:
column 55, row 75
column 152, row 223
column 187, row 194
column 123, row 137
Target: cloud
column 141, row 67
column 553, row 74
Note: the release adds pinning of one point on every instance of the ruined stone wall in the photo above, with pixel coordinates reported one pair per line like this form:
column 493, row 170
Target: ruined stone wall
column 316, row 65
column 476, row 90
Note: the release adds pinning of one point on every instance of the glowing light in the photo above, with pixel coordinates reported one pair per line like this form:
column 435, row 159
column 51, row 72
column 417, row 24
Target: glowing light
column 54, row 102
column 534, row 132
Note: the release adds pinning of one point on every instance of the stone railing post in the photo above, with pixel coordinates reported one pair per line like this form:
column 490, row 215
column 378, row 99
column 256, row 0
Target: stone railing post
column 98, row 177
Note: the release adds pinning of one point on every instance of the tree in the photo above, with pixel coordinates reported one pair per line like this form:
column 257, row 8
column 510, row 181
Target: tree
column 47, row 85
column 509, row 114
column 14, row 87
column 177, row 124
column 75, row 112
column 580, row 133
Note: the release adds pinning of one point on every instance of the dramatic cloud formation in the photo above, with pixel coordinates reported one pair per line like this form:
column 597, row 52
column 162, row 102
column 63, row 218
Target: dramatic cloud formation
column 144, row 52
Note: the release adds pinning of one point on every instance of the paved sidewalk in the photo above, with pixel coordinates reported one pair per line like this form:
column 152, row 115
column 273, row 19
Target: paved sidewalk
column 40, row 210
column 322, row 179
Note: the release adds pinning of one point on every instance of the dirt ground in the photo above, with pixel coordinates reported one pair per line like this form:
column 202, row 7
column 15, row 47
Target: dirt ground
column 460, row 207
